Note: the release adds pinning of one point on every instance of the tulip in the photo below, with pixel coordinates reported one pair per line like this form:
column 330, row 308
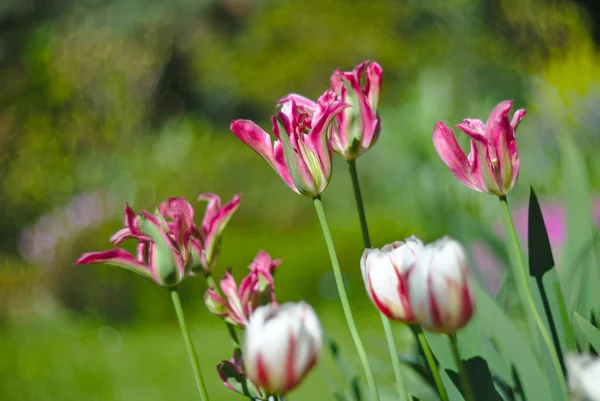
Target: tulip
column 282, row 344
column 257, row 288
column 206, row 239
column 264, row 268
column 493, row 162
column 162, row 254
column 438, row 287
column 358, row 126
column 385, row 272
column 301, row 155
column 583, row 372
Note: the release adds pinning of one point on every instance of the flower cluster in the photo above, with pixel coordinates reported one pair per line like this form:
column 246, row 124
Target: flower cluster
column 425, row 284
column 428, row 286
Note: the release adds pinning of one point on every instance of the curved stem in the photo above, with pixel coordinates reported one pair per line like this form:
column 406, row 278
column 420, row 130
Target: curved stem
column 431, row 362
column 387, row 327
column 339, row 281
column 529, row 297
column 465, row 384
column 189, row 344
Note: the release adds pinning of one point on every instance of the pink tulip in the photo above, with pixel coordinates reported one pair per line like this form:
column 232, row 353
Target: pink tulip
column 237, row 304
column 234, row 369
column 493, row 162
column 439, row 288
column 385, row 272
column 206, row 241
column 162, row 254
column 358, row 126
column 301, row 155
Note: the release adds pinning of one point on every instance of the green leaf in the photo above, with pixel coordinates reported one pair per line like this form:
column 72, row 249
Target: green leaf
column 540, row 252
column 580, row 274
column 350, row 378
column 480, row 377
column 512, row 345
column 591, row 332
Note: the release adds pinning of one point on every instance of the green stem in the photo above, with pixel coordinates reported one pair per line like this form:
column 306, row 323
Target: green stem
column 431, row 362
column 465, row 384
column 339, row 281
column 387, row 327
column 529, row 296
column 359, row 203
column 190, row 345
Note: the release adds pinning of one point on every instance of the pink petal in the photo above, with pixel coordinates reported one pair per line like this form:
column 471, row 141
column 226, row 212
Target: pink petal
column 118, row 257
column 282, row 168
column 451, row 154
column 255, row 137
column 373, row 85
column 301, row 101
column 517, row 117
column 336, row 83
column 501, row 110
column 228, row 285
column 121, row 236
column 473, row 128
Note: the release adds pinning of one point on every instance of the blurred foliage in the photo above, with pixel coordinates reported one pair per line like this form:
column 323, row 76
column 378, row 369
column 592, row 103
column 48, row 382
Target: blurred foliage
column 106, row 102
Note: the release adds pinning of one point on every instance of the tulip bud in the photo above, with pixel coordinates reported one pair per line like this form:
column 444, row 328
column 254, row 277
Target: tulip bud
column 282, row 344
column 438, row 287
column 385, row 272
column 583, row 373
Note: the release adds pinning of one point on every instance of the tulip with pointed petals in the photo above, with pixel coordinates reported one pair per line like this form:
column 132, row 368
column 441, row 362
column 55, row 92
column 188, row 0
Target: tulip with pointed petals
column 162, row 254
column 439, row 289
column 385, row 272
column 301, row 155
column 492, row 165
column 282, row 344
column 257, row 288
column 206, row 239
column 358, row 126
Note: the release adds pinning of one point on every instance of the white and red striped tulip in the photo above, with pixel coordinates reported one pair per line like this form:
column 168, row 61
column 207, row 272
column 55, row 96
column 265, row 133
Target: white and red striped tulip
column 282, row 344
column 385, row 272
column 439, row 288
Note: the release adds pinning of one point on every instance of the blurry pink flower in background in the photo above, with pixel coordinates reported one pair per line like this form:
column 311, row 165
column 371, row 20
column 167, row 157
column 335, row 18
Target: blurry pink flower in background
column 555, row 219
column 39, row 242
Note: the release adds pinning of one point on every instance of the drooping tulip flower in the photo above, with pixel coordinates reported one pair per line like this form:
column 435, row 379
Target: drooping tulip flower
column 206, row 239
column 162, row 254
column 493, row 162
column 439, row 289
column 301, row 155
column 358, row 126
column 282, row 344
column 385, row 272
column 257, row 288
column 583, row 372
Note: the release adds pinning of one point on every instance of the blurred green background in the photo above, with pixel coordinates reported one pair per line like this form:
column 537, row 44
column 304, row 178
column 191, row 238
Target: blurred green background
column 107, row 102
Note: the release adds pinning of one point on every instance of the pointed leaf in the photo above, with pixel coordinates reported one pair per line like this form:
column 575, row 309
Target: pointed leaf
column 540, row 252
column 591, row 332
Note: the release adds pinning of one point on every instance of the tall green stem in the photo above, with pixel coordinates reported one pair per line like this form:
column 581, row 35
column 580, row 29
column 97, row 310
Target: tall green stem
column 431, row 362
column 190, row 345
column 339, row 281
column 526, row 291
column 387, row 327
column 465, row 384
